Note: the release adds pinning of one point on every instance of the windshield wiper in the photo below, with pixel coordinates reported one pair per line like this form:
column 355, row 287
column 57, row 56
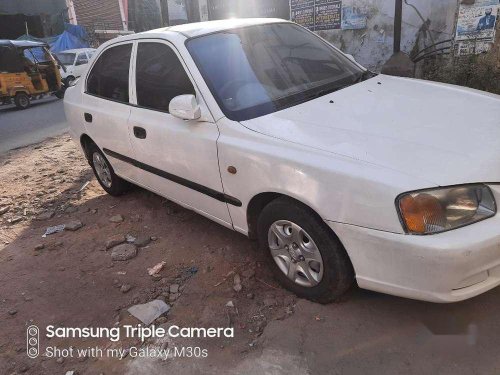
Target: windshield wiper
column 323, row 92
column 364, row 76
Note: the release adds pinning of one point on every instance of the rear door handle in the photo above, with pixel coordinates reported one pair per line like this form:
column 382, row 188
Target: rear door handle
column 139, row 132
column 88, row 117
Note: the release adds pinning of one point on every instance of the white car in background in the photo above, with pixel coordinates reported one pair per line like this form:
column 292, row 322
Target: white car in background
column 267, row 129
column 75, row 62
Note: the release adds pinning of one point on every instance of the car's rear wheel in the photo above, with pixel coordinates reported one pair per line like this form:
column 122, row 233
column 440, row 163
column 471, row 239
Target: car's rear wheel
column 105, row 174
column 22, row 100
column 305, row 255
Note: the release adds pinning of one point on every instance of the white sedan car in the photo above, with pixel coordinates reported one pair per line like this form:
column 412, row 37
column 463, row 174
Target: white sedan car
column 341, row 174
column 75, row 62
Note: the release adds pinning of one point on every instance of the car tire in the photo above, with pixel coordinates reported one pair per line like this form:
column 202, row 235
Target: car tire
column 59, row 94
column 22, row 100
column 329, row 276
column 109, row 181
column 69, row 80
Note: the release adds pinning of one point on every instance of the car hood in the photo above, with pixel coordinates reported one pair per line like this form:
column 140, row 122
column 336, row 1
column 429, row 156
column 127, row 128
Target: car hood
column 441, row 133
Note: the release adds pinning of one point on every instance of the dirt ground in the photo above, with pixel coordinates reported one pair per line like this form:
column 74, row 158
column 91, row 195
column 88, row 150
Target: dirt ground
column 68, row 279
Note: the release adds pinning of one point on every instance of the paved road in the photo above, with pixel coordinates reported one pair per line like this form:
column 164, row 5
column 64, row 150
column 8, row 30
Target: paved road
column 45, row 118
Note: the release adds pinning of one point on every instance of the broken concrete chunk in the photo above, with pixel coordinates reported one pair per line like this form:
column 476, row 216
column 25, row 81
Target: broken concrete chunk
column 71, row 209
column 115, row 240
column 4, row 210
column 116, row 219
column 45, row 215
column 237, row 283
column 237, row 287
column 15, row 219
column 148, row 312
column 142, row 240
column 174, row 288
column 73, row 225
column 123, row 252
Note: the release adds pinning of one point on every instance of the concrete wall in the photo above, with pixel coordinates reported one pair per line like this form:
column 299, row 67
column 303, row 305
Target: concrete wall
column 373, row 45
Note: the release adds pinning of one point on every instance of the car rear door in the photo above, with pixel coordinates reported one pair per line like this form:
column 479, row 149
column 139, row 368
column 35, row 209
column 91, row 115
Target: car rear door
column 106, row 106
column 176, row 158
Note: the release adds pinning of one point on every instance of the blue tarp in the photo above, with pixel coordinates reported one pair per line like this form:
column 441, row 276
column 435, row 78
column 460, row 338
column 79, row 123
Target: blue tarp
column 67, row 41
column 74, row 36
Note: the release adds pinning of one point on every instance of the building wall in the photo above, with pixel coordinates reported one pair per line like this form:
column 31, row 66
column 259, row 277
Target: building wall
column 373, row 46
column 98, row 14
column 44, row 17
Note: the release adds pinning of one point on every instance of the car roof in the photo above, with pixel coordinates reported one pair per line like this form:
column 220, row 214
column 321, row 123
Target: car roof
column 76, row 50
column 21, row 43
column 190, row 30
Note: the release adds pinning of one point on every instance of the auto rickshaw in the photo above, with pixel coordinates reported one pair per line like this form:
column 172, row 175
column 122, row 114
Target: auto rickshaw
column 27, row 71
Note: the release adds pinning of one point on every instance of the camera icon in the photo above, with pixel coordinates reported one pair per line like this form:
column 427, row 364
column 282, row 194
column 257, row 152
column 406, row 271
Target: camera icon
column 33, row 341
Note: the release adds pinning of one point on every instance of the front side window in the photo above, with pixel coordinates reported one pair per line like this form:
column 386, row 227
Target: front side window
column 160, row 76
column 257, row 70
column 81, row 59
column 109, row 76
column 66, row 58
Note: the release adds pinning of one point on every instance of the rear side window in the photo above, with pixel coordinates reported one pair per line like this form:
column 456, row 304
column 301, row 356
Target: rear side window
column 160, row 76
column 109, row 75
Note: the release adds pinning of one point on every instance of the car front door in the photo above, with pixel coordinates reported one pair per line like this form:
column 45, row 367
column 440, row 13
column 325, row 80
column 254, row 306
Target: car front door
column 106, row 107
column 176, row 158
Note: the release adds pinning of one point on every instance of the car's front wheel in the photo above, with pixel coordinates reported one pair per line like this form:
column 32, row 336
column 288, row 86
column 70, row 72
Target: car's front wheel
column 306, row 257
column 105, row 174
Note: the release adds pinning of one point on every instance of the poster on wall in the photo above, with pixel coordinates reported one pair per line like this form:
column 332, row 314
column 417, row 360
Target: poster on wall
column 177, row 13
column 328, row 14
column 468, row 47
column 354, row 16
column 477, row 21
column 302, row 12
column 222, row 9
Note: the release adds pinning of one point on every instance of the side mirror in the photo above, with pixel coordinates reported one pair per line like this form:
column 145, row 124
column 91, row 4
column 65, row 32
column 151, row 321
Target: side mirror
column 81, row 62
column 350, row 57
column 185, row 107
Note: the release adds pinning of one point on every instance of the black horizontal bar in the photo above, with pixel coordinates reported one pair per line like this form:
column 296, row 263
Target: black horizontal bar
column 222, row 197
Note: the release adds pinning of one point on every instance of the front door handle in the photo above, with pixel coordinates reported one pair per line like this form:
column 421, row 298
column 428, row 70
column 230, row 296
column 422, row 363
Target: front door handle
column 88, row 117
column 139, row 132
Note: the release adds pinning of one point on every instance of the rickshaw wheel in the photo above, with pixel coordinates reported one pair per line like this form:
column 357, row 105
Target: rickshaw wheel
column 22, row 100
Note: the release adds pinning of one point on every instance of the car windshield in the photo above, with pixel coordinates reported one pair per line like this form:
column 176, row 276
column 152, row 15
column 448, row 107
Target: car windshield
column 37, row 54
column 66, row 58
column 253, row 71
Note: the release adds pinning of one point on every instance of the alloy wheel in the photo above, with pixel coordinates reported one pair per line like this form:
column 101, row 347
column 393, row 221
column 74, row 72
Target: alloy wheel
column 102, row 169
column 295, row 253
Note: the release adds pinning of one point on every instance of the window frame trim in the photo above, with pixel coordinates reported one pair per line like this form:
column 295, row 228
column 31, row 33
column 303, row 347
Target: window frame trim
column 94, row 61
column 170, row 45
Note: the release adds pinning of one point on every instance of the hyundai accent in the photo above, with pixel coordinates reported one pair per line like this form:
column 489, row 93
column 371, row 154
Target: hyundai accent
column 342, row 175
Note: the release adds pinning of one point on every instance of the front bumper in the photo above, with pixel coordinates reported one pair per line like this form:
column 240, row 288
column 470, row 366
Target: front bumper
column 445, row 267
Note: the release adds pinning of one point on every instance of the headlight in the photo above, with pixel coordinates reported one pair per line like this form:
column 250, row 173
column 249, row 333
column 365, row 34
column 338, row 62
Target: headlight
column 442, row 209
